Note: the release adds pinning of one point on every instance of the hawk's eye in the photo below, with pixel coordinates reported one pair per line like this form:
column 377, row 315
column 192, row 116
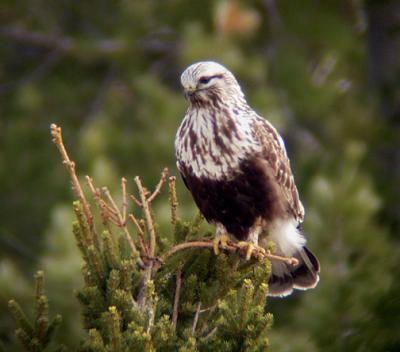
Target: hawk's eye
column 204, row 80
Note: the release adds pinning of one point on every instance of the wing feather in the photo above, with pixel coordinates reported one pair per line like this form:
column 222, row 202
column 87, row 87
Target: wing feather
column 274, row 152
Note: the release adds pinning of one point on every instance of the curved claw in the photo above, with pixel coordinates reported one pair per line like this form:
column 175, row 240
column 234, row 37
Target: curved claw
column 220, row 240
column 250, row 247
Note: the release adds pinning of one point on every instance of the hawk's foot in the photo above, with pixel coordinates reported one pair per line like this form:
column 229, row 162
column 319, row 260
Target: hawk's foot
column 220, row 240
column 250, row 248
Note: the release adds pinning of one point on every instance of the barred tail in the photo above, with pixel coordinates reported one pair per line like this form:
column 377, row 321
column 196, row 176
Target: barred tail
column 303, row 276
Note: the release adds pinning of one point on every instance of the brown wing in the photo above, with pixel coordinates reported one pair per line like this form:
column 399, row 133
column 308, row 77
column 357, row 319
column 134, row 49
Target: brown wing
column 274, row 153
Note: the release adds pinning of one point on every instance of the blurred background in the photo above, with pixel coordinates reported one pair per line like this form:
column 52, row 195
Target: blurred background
column 325, row 73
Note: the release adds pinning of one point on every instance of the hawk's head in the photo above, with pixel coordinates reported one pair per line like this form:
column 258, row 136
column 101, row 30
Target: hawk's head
column 207, row 82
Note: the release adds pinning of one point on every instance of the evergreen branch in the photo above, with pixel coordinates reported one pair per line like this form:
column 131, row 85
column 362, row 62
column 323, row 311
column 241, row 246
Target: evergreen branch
column 245, row 300
column 110, row 250
column 113, row 281
column 173, row 200
column 90, row 245
column 51, row 328
column 80, row 242
column 96, row 341
column 21, row 318
column 95, row 264
column 115, row 329
column 126, row 275
column 88, row 236
column 127, row 308
column 39, row 277
column 42, row 307
column 35, row 336
column 25, row 340
column 41, row 321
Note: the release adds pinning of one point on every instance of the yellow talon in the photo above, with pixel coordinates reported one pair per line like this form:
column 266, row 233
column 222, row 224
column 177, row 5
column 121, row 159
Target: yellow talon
column 220, row 240
column 250, row 248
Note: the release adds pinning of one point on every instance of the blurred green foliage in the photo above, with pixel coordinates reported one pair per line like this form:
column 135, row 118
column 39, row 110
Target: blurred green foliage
column 108, row 73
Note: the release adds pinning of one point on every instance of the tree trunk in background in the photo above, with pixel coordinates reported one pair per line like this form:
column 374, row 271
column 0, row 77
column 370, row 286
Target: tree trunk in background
column 384, row 56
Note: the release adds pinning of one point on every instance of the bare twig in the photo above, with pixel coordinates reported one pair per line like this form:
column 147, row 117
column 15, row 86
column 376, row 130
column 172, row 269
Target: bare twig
column 209, row 309
column 137, row 224
column 99, row 200
column 121, row 223
column 114, row 206
column 196, row 318
column 113, row 220
column 56, row 133
column 111, row 213
column 140, row 233
column 106, row 210
column 137, row 201
column 177, row 296
column 124, row 200
column 211, row 333
column 157, row 190
column 173, row 199
column 152, row 234
column 147, row 214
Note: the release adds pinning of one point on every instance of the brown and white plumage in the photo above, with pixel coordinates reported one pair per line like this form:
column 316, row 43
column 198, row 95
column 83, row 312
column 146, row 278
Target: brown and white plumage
column 234, row 162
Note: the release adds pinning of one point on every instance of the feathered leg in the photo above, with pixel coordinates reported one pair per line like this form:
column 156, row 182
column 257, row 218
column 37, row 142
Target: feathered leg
column 252, row 240
column 221, row 238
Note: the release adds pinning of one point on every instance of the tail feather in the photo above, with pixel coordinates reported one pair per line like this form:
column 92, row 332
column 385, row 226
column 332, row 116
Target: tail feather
column 303, row 276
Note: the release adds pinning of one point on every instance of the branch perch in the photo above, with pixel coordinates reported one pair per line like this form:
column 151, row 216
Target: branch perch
column 230, row 246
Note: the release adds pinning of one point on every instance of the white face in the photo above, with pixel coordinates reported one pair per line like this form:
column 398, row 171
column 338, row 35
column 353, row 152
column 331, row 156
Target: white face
column 203, row 75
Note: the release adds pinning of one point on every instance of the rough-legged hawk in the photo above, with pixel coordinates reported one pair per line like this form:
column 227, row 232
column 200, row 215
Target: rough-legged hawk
column 235, row 165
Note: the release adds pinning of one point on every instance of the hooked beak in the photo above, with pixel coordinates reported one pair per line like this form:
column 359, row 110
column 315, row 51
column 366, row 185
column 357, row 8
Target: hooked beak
column 189, row 92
